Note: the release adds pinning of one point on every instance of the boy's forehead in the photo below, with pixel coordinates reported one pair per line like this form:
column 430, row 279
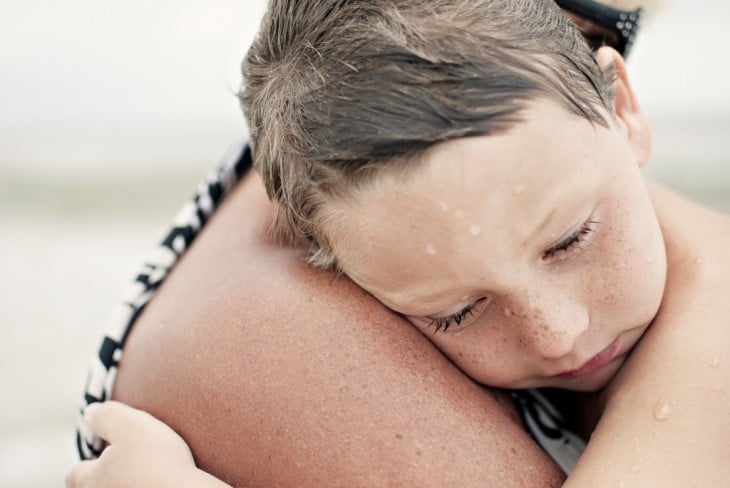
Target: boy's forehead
column 500, row 189
column 547, row 139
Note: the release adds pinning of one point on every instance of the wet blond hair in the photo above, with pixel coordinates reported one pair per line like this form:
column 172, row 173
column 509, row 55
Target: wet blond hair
column 337, row 91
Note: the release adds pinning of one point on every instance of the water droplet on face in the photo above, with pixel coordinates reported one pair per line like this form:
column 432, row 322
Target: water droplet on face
column 475, row 230
column 635, row 468
column 662, row 410
column 715, row 362
column 518, row 189
column 507, row 312
column 430, row 250
column 444, row 206
column 459, row 214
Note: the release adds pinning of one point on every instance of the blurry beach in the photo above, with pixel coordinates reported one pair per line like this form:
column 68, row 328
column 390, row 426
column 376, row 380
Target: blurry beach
column 111, row 114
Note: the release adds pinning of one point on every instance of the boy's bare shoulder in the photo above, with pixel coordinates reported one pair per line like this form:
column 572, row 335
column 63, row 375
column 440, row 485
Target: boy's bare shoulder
column 696, row 237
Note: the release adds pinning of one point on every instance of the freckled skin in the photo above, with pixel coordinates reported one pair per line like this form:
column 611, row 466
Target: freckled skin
column 563, row 309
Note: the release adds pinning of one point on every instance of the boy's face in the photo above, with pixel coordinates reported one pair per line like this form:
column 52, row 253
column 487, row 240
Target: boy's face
column 536, row 252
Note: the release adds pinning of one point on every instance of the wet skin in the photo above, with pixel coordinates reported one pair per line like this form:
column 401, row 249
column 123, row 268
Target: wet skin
column 531, row 258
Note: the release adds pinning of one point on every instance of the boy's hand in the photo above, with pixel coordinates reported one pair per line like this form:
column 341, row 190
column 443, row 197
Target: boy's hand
column 142, row 452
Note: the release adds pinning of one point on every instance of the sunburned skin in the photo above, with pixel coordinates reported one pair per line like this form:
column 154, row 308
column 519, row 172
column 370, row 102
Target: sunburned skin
column 549, row 286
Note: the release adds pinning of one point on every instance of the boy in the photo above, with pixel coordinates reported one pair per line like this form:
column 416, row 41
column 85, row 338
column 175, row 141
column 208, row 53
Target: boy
column 509, row 215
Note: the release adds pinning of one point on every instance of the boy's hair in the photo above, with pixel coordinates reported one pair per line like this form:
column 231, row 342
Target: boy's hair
column 336, row 90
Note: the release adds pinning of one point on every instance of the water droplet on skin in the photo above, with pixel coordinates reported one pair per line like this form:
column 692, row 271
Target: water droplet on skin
column 715, row 362
column 650, row 259
column 507, row 312
column 662, row 410
column 635, row 468
column 475, row 230
column 518, row 189
column 698, row 260
column 444, row 206
column 459, row 214
column 430, row 250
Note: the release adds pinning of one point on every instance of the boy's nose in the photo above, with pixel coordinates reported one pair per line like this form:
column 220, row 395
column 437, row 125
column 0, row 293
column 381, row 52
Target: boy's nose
column 551, row 323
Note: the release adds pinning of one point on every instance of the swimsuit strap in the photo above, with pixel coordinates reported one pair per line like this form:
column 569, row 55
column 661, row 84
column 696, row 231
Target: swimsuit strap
column 186, row 226
column 549, row 429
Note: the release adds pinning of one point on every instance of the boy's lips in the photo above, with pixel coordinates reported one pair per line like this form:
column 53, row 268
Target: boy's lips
column 595, row 363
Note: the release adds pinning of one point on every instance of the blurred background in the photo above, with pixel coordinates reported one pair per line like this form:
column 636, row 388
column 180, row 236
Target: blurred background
column 110, row 113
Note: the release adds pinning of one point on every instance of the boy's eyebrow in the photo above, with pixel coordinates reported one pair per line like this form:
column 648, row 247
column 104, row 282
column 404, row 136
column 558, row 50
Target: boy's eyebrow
column 415, row 300
column 543, row 223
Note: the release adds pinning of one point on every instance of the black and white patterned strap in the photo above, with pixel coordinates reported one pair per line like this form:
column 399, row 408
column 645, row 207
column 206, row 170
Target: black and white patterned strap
column 188, row 222
column 548, row 427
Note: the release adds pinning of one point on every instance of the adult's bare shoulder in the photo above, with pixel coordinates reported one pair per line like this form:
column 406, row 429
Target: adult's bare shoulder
column 278, row 374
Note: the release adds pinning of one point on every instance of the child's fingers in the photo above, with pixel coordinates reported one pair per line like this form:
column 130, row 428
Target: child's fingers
column 112, row 420
column 79, row 473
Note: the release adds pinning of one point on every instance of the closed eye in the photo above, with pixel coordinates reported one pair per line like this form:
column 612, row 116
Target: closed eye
column 577, row 237
column 443, row 323
column 461, row 318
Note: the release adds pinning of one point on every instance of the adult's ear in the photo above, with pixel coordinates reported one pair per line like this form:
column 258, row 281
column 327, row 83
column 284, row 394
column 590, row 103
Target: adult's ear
column 629, row 114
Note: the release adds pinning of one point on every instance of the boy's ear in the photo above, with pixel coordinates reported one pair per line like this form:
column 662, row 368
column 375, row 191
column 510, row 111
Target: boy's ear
column 629, row 114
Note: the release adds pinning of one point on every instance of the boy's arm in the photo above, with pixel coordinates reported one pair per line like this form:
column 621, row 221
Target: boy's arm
column 666, row 421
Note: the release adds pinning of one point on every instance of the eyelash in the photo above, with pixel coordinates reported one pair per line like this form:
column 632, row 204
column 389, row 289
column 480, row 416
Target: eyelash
column 588, row 227
column 443, row 323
